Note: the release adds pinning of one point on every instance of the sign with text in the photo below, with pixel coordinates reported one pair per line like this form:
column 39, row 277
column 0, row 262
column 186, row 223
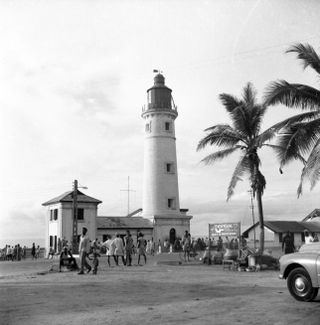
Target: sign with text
column 224, row 229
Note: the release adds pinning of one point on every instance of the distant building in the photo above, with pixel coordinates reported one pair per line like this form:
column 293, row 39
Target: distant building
column 276, row 230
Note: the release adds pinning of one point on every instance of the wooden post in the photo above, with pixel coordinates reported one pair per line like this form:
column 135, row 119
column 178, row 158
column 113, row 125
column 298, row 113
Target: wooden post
column 75, row 218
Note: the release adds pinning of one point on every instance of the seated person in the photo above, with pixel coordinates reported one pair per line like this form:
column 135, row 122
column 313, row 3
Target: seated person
column 66, row 259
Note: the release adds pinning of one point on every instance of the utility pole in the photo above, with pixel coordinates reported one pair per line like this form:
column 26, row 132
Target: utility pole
column 75, row 217
column 128, row 193
column 253, row 219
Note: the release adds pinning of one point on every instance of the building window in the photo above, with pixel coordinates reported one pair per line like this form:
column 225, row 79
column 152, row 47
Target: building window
column 303, row 239
column 169, row 168
column 55, row 214
column 167, row 126
column 51, row 215
column 280, row 237
column 147, row 128
column 171, row 203
column 80, row 214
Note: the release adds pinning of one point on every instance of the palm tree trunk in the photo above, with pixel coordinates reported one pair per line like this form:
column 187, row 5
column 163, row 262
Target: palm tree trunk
column 261, row 223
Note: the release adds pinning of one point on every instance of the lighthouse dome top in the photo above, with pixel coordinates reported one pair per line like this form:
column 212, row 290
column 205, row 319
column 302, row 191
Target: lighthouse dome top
column 159, row 80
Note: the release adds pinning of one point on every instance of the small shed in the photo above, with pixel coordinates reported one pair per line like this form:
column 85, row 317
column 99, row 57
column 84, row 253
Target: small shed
column 276, row 230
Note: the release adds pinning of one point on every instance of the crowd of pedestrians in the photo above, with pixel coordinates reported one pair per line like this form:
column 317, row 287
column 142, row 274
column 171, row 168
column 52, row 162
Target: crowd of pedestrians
column 18, row 252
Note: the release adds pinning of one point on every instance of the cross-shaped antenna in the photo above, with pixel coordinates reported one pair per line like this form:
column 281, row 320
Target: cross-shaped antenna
column 128, row 191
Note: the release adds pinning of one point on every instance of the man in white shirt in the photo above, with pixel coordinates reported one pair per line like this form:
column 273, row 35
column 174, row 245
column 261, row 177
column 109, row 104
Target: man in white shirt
column 84, row 249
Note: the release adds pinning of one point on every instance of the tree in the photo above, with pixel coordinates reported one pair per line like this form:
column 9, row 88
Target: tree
column 244, row 136
column 299, row 139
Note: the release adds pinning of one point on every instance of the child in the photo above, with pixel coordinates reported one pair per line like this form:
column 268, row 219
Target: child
column 95, row 260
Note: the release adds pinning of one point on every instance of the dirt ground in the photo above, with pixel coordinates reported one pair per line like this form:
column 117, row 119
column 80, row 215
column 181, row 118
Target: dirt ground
column 165, row 293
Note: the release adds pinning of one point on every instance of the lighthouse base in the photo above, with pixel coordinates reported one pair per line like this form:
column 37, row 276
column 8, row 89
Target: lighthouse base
column 170, row 227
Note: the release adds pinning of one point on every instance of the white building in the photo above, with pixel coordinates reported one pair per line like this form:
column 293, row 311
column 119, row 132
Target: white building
column 59, row 218
column 160, row 182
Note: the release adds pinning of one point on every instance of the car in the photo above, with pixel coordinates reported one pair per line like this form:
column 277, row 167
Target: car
column 302, row 272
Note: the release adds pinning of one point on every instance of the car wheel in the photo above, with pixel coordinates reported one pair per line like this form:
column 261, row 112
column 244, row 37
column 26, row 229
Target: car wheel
column 300, row 286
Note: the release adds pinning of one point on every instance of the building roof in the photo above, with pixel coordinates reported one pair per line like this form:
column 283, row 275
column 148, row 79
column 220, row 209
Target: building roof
column 68, row 197
column 123, row 223
column 314, row 214
column 285, row 226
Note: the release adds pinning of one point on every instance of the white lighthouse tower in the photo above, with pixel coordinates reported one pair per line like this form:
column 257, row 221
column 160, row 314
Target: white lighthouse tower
column 160, row 183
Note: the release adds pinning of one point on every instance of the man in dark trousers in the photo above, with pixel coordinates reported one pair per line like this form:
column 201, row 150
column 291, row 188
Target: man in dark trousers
column 288, row 243
column 128, row 246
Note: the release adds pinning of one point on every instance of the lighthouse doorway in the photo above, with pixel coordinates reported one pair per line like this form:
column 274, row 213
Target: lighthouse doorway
column 172, row 236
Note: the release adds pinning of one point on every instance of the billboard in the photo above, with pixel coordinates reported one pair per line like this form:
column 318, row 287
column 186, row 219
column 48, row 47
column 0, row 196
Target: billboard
column 224, row 229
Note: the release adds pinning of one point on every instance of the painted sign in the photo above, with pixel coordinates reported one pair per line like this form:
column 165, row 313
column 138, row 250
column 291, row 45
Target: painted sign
column 224, row 229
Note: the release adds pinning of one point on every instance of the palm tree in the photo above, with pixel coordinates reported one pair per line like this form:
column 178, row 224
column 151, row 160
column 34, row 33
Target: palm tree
column 299, row 139
column 244, row 136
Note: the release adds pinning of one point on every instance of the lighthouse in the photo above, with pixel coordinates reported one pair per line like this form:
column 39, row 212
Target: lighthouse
column 160, row 179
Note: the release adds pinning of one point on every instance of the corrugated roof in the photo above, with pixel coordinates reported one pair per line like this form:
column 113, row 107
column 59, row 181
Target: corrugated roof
column 285, row 226
column 68, row 197
column 123, row 222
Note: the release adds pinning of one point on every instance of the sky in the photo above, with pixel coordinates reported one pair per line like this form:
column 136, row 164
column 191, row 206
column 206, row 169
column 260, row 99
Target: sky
column 73, row 80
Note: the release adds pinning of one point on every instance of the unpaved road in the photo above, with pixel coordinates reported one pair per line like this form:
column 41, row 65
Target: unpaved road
column 152, row 294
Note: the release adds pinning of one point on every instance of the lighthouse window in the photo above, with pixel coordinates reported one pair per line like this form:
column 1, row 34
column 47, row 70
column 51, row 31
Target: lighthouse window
column 167, row 126
column 148, row 127
column 170, row 168
column 171, row 203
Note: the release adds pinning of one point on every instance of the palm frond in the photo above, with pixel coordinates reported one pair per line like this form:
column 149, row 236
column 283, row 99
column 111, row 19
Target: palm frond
column 271, row 132
column 243, row 166
column 229, row 102
column 311, row 168
column 219, row 155
column 307, row 54
column 220, row 135
column 249, row 95
column 292, row 95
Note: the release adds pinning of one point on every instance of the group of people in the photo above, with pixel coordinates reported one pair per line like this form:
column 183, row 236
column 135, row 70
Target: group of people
column 288, row 245
column 18, row 252
column 119, row 249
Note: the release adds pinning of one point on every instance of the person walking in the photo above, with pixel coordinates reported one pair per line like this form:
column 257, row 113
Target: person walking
column 288, row 243
column 119, row 249
column 128, row 246
column 159, row 247
column 110, row 247
column 141, row 243
column 186, row 244
column 84, row 248
column 33, row 251
column 95, row 261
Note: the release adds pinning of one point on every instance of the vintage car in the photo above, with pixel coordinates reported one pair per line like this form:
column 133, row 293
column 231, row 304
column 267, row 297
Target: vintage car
column 302, row 271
